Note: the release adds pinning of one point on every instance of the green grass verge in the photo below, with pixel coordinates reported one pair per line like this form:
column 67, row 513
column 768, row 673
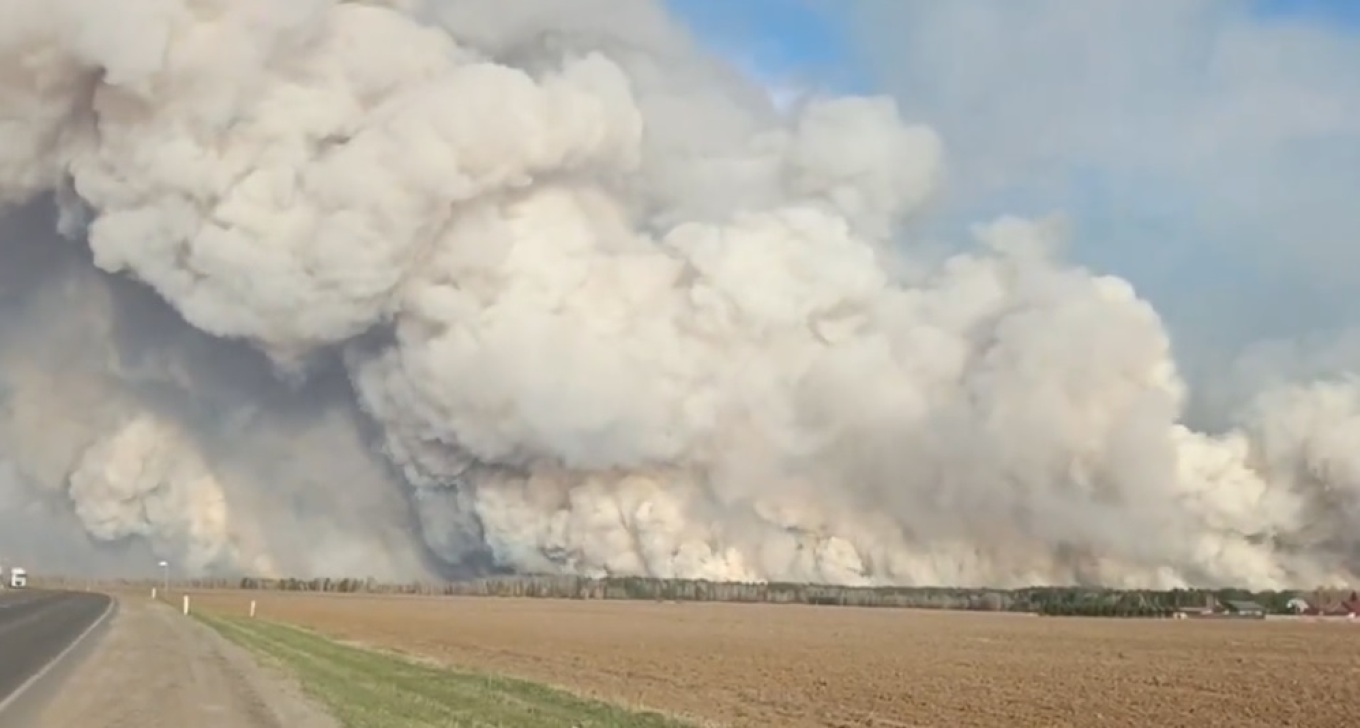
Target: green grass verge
column 369, row 689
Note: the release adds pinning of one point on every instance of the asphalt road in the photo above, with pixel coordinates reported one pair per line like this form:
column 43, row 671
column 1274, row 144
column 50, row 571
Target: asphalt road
column 37, row 627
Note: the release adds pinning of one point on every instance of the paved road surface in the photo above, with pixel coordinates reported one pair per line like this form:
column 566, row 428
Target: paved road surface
column 38, row 626
column 156, row 668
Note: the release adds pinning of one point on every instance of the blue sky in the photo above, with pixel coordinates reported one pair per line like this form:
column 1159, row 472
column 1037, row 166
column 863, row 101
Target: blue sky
column 1208, row 150
column 791, row 37
column 809, row 36
column 1338, row 11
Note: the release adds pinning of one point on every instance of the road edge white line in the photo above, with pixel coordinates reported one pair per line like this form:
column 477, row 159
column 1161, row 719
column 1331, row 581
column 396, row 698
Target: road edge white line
column 52, row 664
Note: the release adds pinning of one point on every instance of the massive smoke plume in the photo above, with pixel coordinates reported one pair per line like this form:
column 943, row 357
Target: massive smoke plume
column 399, row 288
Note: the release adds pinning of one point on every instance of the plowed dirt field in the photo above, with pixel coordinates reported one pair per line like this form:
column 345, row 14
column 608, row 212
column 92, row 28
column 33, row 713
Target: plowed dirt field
column 796, row 666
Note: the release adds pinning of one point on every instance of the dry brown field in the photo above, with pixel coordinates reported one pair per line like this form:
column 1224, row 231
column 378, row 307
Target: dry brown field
column 798, row 666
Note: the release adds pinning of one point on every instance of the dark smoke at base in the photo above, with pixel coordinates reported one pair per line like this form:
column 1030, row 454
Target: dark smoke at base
column 135, row 358
column 547, row 290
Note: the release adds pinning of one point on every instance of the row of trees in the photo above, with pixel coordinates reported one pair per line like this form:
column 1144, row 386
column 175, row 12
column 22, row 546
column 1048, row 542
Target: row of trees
column 1107, row 610
column 1041, row 600
column 642, row 588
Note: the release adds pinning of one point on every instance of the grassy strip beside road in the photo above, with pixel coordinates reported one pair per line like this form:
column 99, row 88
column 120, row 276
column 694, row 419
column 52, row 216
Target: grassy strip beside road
column 369, row 689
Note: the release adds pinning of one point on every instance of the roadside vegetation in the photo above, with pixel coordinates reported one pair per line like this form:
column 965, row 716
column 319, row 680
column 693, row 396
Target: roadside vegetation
column 370, row 689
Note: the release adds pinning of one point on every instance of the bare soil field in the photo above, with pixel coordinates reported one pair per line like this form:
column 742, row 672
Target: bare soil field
column 795, row 666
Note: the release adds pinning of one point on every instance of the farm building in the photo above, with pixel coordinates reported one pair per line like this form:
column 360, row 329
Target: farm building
column 1208, row 609
column 1227, row 608
column 1245, row 609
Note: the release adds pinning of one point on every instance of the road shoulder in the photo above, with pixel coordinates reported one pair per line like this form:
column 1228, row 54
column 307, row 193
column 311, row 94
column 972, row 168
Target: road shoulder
column 157, row 668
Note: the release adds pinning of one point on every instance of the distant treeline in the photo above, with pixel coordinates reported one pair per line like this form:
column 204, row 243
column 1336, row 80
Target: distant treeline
column 1083, row 601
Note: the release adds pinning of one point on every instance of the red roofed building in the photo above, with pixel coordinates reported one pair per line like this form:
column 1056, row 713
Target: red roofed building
column 1348, row 607
column 1321, row 606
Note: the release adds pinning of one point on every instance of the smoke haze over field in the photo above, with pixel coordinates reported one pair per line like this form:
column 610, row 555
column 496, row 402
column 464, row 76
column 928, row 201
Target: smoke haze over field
column 403, row 289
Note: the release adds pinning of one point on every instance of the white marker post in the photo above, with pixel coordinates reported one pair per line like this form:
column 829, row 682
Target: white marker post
column 252, row 608
column 153, row 593
column 186, row 604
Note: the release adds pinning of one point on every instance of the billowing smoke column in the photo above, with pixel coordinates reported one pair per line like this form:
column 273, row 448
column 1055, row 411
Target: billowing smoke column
column 537, row 286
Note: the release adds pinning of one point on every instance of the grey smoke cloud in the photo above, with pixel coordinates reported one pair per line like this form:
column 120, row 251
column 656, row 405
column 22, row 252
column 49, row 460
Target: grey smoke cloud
column 1210, row 147
column 396, row 288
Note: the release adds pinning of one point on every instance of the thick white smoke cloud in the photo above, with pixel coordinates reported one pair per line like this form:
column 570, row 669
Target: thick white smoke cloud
column 604, row 309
